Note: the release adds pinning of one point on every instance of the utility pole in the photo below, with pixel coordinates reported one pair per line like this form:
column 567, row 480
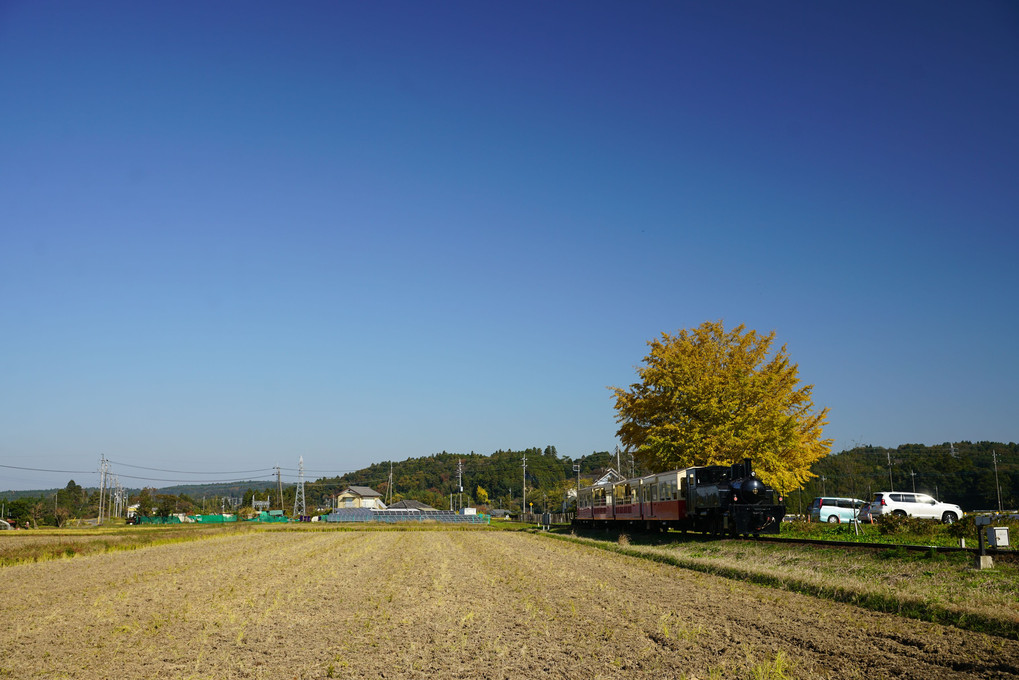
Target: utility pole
column 891, row 484
column 460, row 482
column 913, row 475
column 389, row 486
column 994, row 457
column 523, row 503
column 102, row 486
column 279, row 485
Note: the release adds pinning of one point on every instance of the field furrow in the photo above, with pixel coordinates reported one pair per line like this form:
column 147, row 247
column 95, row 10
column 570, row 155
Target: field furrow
column 444, row 604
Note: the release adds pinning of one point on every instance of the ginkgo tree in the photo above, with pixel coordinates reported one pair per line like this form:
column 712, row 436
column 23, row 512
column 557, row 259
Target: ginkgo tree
column 708, row 396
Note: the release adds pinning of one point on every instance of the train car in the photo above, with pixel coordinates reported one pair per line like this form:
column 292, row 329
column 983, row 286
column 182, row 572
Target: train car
column 663, row 504
column 715, row 499
column 626, row 501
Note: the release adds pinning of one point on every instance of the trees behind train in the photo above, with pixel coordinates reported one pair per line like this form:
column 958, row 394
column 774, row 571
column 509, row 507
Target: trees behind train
column 708, row 396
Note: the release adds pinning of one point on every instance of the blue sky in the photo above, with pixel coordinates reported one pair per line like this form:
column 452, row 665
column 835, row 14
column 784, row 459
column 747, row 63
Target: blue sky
column 237, row 233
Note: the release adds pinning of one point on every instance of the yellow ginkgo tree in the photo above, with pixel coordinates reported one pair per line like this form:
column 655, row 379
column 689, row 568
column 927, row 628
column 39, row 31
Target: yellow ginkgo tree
column 708, row 396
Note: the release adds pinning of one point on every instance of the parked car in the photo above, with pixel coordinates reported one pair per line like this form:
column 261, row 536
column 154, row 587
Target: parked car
column 865, row 515
column 835, row 510
column 914, row 505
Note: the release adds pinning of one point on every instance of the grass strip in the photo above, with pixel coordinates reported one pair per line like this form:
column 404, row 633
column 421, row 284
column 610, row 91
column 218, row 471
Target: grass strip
column 909, row 607
column 42, row 546
column 70, row 545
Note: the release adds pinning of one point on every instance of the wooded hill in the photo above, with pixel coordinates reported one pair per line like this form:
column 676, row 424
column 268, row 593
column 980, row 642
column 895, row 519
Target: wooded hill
column 954, row 472
column 495, row 480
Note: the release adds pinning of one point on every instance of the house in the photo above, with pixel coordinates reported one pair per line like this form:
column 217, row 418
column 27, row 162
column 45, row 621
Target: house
column 610, row 477
column 360, row 497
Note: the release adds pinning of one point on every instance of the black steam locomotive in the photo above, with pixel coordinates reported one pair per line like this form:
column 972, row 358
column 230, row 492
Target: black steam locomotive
column 715, row 499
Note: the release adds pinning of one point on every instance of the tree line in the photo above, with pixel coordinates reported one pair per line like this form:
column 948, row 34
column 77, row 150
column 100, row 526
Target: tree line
column 956, row 472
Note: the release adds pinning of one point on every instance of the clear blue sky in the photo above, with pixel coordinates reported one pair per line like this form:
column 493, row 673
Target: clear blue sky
column 235, row 233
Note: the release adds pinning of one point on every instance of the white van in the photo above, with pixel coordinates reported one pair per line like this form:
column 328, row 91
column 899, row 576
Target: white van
column 835, row 510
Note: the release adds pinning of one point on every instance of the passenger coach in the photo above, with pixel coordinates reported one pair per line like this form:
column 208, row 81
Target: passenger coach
column 716, row 499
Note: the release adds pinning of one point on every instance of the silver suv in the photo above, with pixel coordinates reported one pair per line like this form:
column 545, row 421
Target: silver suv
column 914, row 505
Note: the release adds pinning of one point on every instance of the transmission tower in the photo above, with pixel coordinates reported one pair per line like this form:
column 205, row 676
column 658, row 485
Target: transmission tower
column 300, row 510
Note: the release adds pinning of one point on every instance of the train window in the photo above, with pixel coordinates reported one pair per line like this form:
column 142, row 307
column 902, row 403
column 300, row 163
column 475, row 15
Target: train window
column 713, row 474
column 654, row 493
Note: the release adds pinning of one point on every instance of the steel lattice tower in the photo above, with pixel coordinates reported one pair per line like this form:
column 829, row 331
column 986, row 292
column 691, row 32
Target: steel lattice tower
column 300, row 510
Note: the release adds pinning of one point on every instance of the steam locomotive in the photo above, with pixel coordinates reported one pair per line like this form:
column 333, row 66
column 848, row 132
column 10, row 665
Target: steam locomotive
column 715, row 499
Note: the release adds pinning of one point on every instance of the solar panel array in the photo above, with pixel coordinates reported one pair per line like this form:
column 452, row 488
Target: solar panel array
column 394, row 516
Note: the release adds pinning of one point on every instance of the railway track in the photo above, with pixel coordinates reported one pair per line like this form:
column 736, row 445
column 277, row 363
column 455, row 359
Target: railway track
column 1006, row 553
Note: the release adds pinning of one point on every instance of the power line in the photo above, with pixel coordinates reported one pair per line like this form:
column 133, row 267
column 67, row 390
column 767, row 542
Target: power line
column 184, row 472
column 196, row 482
column 67, row 472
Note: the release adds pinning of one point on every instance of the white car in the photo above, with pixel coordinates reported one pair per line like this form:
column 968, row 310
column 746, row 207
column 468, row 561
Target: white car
column 914, row 505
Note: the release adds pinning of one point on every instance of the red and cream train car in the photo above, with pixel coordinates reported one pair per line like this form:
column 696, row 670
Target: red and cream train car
column 715, row 498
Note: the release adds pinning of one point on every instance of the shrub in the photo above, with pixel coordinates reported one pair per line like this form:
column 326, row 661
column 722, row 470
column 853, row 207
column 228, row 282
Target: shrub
column 893, row 525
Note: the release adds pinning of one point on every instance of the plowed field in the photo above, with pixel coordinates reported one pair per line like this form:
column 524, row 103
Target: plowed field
column 444, row 604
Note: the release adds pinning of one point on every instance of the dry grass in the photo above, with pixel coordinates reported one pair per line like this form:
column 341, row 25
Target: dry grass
column 428, row 604
column 929, row 587
column 38, row 545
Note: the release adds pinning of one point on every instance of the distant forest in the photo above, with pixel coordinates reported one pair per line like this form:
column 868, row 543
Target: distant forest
column 495, row 481
column 973, row 475
column 955, row 472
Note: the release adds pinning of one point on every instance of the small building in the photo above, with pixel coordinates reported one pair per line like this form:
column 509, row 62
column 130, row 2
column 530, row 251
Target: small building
column 360, row 497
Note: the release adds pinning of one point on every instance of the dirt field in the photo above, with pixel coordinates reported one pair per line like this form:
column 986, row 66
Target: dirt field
column 444, row 604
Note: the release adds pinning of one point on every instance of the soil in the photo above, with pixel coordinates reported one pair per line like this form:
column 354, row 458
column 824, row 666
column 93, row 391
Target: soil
column 445, row 604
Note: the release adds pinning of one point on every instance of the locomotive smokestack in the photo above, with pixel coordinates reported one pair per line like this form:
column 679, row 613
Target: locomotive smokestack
column 748, row 469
